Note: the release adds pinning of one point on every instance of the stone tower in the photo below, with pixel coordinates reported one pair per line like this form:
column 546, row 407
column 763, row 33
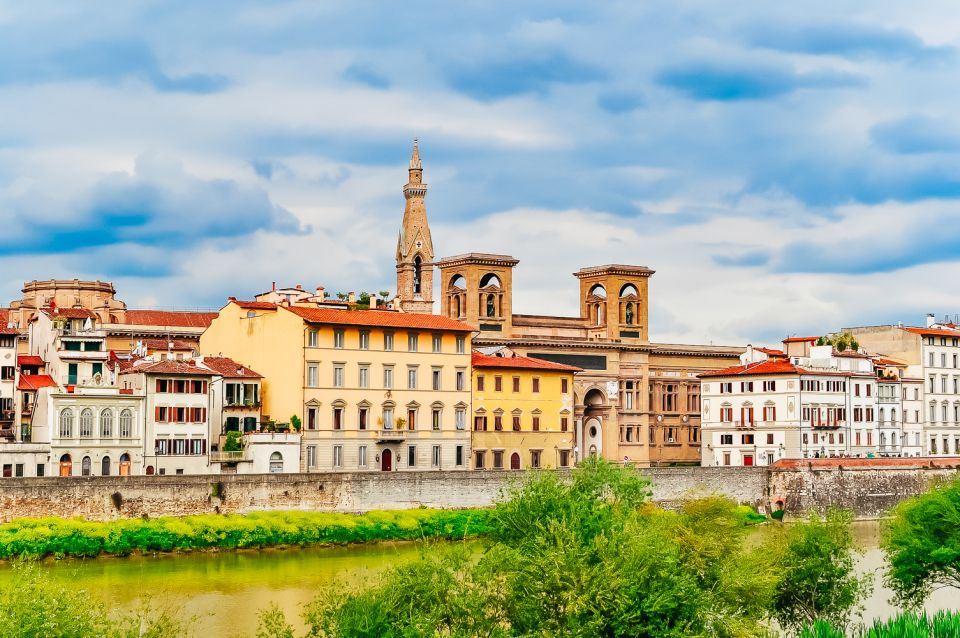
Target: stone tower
column 414, row 246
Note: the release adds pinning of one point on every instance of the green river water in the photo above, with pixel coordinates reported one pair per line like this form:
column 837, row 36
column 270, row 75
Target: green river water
column 226, row 590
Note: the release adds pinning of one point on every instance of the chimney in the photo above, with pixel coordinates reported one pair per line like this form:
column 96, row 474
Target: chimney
column 373, row 301
column 320, row 293
column 749, row 353
column 930, row 320
column 299, row 286
column 274, row 287
column 352, row 297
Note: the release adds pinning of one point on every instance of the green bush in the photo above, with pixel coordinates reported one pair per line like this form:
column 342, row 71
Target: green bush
column 40, row 537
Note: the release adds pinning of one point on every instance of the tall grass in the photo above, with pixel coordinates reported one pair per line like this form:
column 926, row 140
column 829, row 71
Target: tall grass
column 943, row 624
column 40, row 537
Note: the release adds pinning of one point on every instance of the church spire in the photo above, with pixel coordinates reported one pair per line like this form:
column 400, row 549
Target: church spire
column 414, row 244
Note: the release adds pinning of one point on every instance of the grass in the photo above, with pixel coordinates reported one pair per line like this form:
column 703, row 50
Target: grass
column 943, row 624
column 34, row 538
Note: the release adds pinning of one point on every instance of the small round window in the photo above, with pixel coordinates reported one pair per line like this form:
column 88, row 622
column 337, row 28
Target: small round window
column 593, row 430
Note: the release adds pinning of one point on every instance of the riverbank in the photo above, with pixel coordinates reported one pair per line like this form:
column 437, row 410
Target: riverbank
column 35, row 538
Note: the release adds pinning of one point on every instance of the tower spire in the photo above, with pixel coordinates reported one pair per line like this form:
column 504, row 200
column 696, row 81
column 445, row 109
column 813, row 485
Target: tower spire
column 414, row 245
column 415, row 162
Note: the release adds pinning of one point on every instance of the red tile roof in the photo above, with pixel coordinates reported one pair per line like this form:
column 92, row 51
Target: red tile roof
column 179, row 319
column 70, row 313
column 882, row 361
column 228, row 368
column 379, row 318
column 800, row 339
column 164, row 344
column 35, row 382
column 4, row 330
column 939, row 332
column 758, row 368
column 771, row 352
column 486, row 361
column 4, row 320
column 168, row 367
column 29, row 360
column 255, row 305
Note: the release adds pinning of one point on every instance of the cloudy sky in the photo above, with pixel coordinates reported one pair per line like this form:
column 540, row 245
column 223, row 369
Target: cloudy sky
column 785, row 168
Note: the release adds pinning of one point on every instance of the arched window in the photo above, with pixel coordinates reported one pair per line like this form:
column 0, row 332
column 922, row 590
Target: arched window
column 85, row 465
column 86, row 423
column 628, row 314
column 598, row 291
column 66, row 424
column 491, row 306
column 106, row 424
column 893, row 416
column 126, row 424
column 490, row 279
column 882, row 416
column 458, row 281
column 628, row 290
column 417, row 268
column 893, row 439
column 105, row 466
column 276, row 463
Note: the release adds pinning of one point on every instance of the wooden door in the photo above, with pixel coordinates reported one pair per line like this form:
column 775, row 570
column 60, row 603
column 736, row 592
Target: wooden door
column 514, row 461
column 386, row 461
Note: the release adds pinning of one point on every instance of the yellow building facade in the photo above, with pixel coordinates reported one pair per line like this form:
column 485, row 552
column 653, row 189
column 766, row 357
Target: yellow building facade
column 523, row 412
column 374, row 390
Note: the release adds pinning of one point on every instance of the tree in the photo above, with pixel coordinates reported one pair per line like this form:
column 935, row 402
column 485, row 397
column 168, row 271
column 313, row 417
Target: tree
column 818, row 578
column 922, row 544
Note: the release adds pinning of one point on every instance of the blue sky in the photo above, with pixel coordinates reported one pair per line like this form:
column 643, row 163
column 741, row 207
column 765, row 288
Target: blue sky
column 784, row 169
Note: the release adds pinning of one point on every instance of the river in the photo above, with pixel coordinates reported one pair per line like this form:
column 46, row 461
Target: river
column 226, row 590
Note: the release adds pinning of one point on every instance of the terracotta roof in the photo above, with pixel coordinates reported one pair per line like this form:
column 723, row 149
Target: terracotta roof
column 35, row 382
column 849, row 354
column 799, row 339
column 881, row 361
column 4, row 330
column 255, row 305
column 771, row 351
column 29, row 360
column 379, row 318
column 758, row 368
column 164, row 344
column 940, row 332
column 4, row 320
column 179, row 319
column 485, row 361
column 168, row 367
column 228, row 368
column 70, row 313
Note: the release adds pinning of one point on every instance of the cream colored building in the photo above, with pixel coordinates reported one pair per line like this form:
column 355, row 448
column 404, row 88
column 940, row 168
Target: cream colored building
column 374, row 390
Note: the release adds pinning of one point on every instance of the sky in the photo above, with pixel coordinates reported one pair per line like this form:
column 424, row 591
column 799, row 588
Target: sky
column 785, row 168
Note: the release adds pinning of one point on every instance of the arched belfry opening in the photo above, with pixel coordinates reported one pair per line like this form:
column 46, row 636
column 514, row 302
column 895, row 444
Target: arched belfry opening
column 477, row 289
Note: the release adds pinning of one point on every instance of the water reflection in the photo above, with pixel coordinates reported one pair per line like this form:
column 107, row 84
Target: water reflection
column 226, row 590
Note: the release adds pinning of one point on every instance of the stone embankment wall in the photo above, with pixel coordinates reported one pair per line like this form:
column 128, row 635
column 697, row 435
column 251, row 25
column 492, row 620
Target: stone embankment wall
column 867, row 491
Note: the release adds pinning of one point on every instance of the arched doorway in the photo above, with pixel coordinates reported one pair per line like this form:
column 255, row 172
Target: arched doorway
column 515, row 461
column 86, row 466
column 124, row 464
column 386, row 461
column 66, row 465
column 593, row 437
column 105, row 466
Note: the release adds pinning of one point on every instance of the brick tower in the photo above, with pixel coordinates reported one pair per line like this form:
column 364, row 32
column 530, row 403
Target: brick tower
column 414, row 246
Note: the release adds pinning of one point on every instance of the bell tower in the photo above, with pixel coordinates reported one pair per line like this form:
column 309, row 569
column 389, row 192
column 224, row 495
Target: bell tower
column 414, row 245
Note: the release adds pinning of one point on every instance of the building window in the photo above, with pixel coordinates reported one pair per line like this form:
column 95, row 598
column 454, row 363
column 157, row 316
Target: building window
column 536, row 423
column 498, row 384
column 461, row 416
column 479, row 383
column 338, row 338
column 462, row 344
column 362, row 418
column 726, row 458
column 435, row 456
column 497, row 422
column 564, row 458
column 478, row 459
column 516, row 422
column 338, row 418
column 106, row 423
column 364, row 377
column 311, row 456
column 435, row 379
column 726, row 439
column 564, row 424
column 412, row 340
column 312, row 375
column 311, row 418
column 498, row 459
column 337, row 456
column 388, row 418
column 535, row 458
column 387, row 377
column 86, row 423
column 364, row 339
column 276, row 463
column 312, row 339
column 461, row 375
column 564, row 386
column 411, row 378
column 362, row 456
column 411, row 456
column 338, row 376
column 126, row 424
column 412, row 419
column 435, row 418
column 388, row 341
column 516, row 384
column 86, row 465
column 458, row 460
column 437, row 343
